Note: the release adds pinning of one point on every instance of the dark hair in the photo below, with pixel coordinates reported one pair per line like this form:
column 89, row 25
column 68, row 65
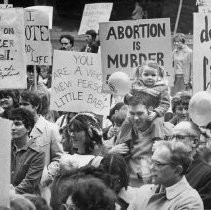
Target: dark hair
column 63, row 185
column 14, row 94
column 39, row 202
column 116, row 107
column 92, row 194
column 23, row 115
column 180, row 154
column 32, row 97
column 115, row 164
column 22, row 204
column 179, row 37
column 181, row 98
column 92, row 33
column 90, row 124
column 67, row 36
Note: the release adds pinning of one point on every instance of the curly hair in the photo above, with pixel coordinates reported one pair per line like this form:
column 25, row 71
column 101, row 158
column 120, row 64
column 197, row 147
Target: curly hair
column 181, row 98
column 23, row 115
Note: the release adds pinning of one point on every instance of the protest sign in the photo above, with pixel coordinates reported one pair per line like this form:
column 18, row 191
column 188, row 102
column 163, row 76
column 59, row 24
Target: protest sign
column 5, row 156
column 12, row 49
column 77, row 83
column 201, row 51
column 6, row 6
column 38, row 45
column 46, row 9
column 126, row 44
column 93, row 14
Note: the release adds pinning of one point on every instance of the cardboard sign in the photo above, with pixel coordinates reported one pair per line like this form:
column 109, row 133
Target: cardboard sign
column 6, row 6
column 5, row 157
column 126, row 44
column 46, row 9
column 93, row 14
column 201, row 51
column 38, row 45
column 77, row 83
column 12, row 49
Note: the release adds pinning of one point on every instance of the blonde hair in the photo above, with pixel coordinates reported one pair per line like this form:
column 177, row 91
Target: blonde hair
column 150, row 63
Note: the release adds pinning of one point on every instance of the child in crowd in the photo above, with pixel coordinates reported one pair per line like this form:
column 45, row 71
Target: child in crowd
column 149, row 78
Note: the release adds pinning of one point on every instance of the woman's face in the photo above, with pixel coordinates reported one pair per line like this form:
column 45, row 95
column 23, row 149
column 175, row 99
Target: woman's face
column 78, row 139
column 6, row 102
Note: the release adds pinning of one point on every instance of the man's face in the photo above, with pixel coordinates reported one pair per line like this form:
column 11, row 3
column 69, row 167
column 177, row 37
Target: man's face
column 18, row 130
column 30, row 76
column 88, row 38
column 185, row 132
column 178, row 44
column 138, row 115
column 163, row 171
column 26, row 105
column 65, row 44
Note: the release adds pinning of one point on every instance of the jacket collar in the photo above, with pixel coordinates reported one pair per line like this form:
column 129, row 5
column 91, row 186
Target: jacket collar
column 176, row 189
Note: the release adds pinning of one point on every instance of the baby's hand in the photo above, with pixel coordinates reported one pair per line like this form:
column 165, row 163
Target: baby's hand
column 152, row 115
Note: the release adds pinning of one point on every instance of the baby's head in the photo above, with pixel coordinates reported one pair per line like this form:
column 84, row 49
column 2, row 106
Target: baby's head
column 149, row 73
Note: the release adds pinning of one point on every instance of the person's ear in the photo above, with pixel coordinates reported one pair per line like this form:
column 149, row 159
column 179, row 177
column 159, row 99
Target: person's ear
column 179, row 169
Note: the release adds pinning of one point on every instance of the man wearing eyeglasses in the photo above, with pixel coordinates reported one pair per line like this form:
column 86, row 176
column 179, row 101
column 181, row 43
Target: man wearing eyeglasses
column 199, row 173
column 170, row 189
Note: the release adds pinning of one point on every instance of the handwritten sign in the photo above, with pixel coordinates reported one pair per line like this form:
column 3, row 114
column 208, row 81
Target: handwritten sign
column 5, row 155
column 93, row 14
column 38, row 46
column 12, row 49
column 6, row 6
column 127, row 44
column 77, row 83
column 201, row 51
column 46, row 9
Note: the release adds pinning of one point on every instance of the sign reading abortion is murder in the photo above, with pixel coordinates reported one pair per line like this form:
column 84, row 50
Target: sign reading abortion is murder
column 38, row 46
column 201, row 51
column 12, row 49
column 77, row 83
column 93, row 14
column 126, row 44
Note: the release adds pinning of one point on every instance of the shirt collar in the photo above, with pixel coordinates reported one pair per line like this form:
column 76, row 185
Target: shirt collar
column 176, row 189
column 40, row 124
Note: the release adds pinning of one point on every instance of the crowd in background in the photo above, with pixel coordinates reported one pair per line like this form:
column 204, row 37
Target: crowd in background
column 148, row 154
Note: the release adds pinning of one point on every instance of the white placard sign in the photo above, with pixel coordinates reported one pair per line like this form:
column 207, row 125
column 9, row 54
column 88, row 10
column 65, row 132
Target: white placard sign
column 6, row 6
column 48, row 10
column 93, row 14
column 12, row 49
column 5, row 157
column 126, row 44
column 77, row 83
column 201, row 51
column 38, row 45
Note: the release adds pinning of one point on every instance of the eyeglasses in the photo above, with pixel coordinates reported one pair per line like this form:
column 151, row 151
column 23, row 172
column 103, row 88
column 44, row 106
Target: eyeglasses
column 68, row 207
column 72, row 131
column 183, row 137
column 159, row 164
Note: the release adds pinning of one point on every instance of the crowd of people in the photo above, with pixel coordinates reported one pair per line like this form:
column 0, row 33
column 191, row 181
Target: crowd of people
column 148, row 155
